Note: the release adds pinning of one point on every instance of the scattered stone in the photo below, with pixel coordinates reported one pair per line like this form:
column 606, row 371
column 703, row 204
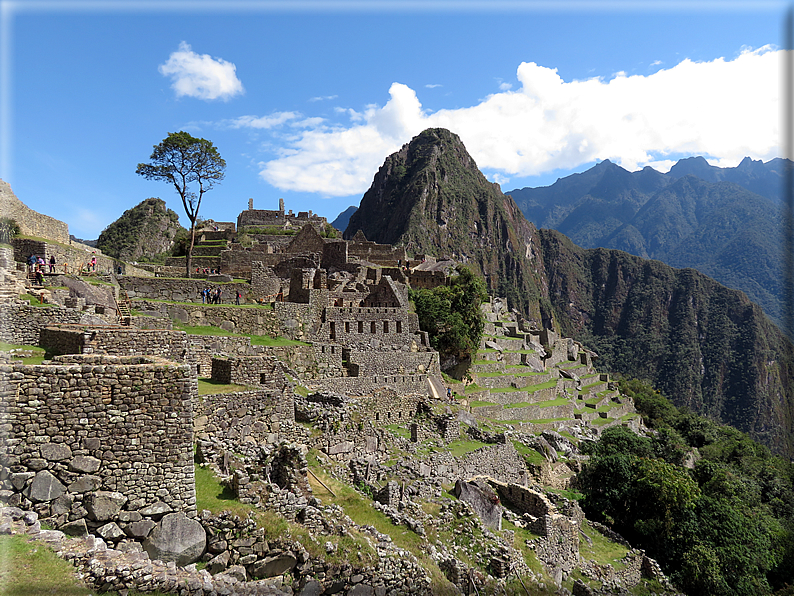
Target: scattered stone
column 104, row 505
column 44, row 487
column 273, row 566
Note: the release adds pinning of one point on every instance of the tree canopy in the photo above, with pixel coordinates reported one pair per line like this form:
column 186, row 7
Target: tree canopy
column 192, row 166
column 451, row 314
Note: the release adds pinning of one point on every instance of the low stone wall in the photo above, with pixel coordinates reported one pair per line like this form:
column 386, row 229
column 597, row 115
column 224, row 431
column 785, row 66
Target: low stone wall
column 359, row 386
column 500, row 461
column 71, row 258
column 181, row 289
column 21, row 325
column 98, row 442
column 116, row 340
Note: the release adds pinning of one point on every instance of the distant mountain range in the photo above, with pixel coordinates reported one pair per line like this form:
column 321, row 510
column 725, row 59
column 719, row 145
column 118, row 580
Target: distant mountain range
column 704, row 345
column 341, row 221
column 724, row 222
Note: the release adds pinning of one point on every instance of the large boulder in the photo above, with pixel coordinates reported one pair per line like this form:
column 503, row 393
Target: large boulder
column 176, row 538
column 483, row 500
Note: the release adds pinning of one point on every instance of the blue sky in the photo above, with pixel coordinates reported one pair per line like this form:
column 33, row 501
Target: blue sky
column 305, row 100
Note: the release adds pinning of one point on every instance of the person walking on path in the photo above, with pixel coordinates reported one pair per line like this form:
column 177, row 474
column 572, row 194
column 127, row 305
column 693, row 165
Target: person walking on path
column 52, row 263
column 237, row 297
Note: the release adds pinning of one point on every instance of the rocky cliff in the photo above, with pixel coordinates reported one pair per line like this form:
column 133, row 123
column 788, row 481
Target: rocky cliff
column 708, row 347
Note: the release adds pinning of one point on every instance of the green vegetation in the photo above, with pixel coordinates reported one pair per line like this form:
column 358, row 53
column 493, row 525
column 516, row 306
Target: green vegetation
column 451, row 314
column 207, row 386
column 147, row 232
column 724, row 527
column 268, row 231
column 9, row 229
column 31, row 568
column 186, row 163
column 213, row 496
column 256, row 340
column 33, row 300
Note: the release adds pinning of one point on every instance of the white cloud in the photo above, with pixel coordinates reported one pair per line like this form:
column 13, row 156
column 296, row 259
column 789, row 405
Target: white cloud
column 723, row 109
column 433, row 85
column 264, row 122
column 200, row 75
column 323, row 98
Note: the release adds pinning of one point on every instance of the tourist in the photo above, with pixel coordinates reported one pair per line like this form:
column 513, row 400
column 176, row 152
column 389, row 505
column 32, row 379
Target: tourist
column 39, row 277
column 52, row 263
column 32, row 263
column 93, row 263
column 237, row 297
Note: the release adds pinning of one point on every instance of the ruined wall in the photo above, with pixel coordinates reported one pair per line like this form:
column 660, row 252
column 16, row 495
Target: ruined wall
column 357, row 327
column 246, row 416
column 371, row 363
column 70, row 258
column 85, row 425
column 181, row 290
column 380, row 254
column 116, row 340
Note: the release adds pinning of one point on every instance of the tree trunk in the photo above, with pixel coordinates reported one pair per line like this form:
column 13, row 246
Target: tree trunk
column 189, row 256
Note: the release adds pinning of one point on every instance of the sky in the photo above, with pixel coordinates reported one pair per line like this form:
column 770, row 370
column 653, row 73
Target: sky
column 305, row 99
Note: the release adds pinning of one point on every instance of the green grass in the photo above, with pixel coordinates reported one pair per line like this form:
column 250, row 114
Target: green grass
column 475, row 403
column 36, row 354
column 256, row 340
column 560, row 401
column 400, row 431
column 210, row 387
column 30, row 568
column 34, row 301
column 266, row 340
column 603, row 550
column 463, row 446
column 212, row 495
column 473, row 388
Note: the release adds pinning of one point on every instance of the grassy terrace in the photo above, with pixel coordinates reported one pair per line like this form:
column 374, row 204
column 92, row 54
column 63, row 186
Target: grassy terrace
column 528, row 388
column 28, row 354
column 207, row 386
column 256, row 340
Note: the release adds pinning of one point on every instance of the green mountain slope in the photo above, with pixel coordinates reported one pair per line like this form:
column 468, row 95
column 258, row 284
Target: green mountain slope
column 696, row 216
column 708, row 347
column 144, row 231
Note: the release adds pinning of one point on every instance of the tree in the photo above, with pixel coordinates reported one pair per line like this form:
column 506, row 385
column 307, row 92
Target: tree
column 451, row 314
column 186, row 162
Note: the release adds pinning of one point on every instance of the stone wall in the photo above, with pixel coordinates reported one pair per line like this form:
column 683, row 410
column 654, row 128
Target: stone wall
column 116, row 340
column 247, row 416
column 357, row 327
column 98, row 442
column 21, row 325
column 371, row 363
column 30, row 222
column 70, row 258
column 358, row 386
column 181, row 289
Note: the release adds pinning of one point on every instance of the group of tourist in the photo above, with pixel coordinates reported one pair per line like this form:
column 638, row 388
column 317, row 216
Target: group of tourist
column 207, row 271
column 211, row 295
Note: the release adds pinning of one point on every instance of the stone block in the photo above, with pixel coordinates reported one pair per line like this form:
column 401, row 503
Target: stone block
column 273, row 566
column 140, row 529
column 55, row 451
column 105, row 505
column 110, row 532
column 85, row 484
column 155, row 510
column 84, row 464
column 75, row 528
column 44, row 487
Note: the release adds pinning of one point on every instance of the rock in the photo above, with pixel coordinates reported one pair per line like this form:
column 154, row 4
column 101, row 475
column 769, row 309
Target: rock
column 140, row 529
column 44, row 487
column 273, row 566
column 312, row 588
column 237, row 572
column 155, row 510
column 361, row 590
column 343, row 447
column 110, row 532
column 84, row 464
column 55, row 451
column 75, row 528
column 176, row 538
column 483, row 500
column 62, row 504
column 85, row 484
column 219, row 563
column 493, row 345
column 104, row 505
column 36, row 464
column 20, row 479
